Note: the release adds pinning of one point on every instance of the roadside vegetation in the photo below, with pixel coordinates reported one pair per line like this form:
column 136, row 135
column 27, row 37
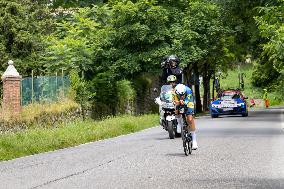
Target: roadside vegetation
column 38, row 140
column 107, row 44
column 45, row 115
column 230, row 80
column 111, row 50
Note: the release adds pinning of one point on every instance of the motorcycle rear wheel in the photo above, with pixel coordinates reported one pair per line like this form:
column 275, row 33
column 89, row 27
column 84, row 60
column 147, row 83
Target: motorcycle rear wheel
column 170, row 129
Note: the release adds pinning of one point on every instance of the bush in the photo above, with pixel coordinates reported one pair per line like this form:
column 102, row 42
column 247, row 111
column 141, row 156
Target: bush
column 126, row 95
column 264, row 75
column 40, row 115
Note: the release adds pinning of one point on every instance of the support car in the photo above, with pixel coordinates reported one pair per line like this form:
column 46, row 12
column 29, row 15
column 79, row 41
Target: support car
column 229, row 102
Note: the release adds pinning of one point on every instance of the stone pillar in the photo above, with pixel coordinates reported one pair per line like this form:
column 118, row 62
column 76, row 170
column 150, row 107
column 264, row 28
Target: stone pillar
column 11, row 90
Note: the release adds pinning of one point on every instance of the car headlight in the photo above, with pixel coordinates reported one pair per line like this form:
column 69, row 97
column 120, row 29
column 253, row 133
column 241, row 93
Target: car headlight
column 215, row 105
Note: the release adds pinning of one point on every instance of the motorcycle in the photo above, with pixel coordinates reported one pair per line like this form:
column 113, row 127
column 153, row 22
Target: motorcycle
column 167, row 111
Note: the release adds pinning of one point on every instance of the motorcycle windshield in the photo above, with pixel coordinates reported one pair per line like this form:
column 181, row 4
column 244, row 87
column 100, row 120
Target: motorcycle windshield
column 166, row 93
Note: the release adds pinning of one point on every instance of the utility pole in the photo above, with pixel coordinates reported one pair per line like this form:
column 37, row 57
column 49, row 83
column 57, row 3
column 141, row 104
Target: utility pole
column 241, row 81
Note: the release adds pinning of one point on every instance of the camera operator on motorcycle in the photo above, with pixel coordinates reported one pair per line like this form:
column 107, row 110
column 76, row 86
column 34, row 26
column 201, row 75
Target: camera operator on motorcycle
column 170, row 66
column 183, row 96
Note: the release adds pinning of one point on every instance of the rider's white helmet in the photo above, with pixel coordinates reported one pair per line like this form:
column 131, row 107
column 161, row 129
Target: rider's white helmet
column 180, row 89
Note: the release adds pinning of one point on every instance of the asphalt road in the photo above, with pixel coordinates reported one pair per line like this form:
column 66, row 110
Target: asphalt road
column 235, row 152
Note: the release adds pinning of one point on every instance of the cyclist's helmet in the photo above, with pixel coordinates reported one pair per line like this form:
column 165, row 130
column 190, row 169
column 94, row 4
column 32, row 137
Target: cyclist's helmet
column 173, row 58
column 180, row 89
column 171, row 78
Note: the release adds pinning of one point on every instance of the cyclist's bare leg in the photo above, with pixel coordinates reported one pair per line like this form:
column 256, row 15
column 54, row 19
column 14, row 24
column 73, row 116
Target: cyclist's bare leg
column 191, row 123
column 192, row 128
column 180, row 121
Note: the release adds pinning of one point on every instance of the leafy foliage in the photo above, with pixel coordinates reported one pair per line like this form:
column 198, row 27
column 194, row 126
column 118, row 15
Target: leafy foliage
column 83, row 93
column 73, row 3
column 111, row 44
column 23, row 25
column 272, row 28
column 139, row 40
column 77, row 41
column 270, row 71
column 126, row 95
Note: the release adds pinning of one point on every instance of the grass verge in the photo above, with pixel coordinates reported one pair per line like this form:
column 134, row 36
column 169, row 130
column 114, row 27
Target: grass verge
column 34, row 141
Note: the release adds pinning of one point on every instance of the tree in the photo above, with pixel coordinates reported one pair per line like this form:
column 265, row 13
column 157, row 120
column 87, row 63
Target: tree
column 77, row 41
column 272, row 29
column 81, row 42
column 239, row 16
column 23, row 25
column 139, row 40
column 269, row 72
column 83, row 95
column 72, row 3
column 203, row 42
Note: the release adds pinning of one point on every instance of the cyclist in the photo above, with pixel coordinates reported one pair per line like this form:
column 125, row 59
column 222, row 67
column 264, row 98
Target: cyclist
column 183, row 96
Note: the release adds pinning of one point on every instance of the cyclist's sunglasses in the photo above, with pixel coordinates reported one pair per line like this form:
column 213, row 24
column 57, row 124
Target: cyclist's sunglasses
column 181, row 96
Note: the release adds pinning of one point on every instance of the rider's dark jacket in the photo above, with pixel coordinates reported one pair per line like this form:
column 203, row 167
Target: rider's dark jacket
column 172, row 71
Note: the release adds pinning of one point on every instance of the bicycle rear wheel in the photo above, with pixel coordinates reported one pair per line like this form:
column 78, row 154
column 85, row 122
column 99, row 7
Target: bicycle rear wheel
column 187, row 147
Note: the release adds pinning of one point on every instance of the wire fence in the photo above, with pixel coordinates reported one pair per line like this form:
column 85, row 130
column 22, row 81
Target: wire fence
column 43, row 89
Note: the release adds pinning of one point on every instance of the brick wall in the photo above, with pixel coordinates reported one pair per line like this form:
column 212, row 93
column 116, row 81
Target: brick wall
column 11, row 94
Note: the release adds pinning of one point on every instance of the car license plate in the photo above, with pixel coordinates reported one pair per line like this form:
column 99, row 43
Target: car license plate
column 229, row 105
column 227, row 109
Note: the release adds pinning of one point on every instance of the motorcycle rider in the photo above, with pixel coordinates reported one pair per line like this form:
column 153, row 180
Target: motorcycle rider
column 183, row 95
column 171, row 80
column 170, row 66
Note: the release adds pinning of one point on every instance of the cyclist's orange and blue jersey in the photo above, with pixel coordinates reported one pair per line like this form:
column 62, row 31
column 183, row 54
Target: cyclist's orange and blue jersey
column 187, row 99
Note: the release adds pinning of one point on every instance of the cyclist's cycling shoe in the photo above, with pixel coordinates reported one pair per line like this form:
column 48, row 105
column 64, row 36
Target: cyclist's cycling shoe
column 194, row 145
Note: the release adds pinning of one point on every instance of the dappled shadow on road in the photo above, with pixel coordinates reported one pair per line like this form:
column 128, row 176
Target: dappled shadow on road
column 166, row 138
column 261, row 183
column 162, row 138
column 181, row 154
column 176, row 154
column 254, row 116
column 251, row 119
column 240, row 132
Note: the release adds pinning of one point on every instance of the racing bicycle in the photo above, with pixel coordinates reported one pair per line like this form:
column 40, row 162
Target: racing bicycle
column 186, row 135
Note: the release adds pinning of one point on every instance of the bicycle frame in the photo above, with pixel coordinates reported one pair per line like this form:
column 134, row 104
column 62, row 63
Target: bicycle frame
column 186, row 135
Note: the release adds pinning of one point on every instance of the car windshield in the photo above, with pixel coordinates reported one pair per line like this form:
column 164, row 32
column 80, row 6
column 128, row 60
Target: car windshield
column 226, row 97
column 166, row 93
column 230, row 96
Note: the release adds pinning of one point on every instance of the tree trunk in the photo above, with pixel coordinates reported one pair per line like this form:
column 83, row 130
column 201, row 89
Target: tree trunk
column 213, row 88
column 197, row 90
column 206, row 86
column 83, row 112
column 186, row 76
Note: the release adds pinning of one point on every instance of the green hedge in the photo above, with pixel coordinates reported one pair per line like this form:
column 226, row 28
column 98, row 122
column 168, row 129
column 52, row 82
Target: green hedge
column 40, row 116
